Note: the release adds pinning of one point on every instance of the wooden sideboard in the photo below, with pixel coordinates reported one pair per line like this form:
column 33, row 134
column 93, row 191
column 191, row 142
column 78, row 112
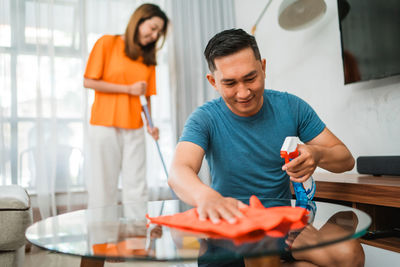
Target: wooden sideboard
column 379, row 196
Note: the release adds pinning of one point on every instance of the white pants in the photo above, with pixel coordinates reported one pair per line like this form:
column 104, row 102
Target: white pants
column 114, row 151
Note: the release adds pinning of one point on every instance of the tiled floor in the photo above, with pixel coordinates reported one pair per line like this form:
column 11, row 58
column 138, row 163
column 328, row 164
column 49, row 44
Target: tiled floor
column 42, row 258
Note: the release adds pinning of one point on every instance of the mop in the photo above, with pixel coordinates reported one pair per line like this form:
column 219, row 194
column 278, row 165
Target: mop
column 143, row 102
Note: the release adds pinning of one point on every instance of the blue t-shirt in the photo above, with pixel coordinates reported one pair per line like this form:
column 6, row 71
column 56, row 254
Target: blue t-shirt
column 244, row 152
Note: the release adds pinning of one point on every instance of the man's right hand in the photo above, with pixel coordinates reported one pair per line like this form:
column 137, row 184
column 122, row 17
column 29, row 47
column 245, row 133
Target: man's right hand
column 187, row 185
column 216, row 207
column 137, row 88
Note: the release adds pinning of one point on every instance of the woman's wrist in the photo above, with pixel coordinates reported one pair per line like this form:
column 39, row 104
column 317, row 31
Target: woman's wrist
column 127, row 89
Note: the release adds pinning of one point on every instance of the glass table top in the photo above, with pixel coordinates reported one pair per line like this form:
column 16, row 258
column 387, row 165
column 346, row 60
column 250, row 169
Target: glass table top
column 123, row 232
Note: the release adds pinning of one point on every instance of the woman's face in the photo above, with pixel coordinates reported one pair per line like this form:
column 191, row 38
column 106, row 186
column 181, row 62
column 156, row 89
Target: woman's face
column 149, row 30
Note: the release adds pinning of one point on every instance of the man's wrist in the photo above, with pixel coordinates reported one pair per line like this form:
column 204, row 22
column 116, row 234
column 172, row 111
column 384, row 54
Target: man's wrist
column 203, row 193
column 317, row 153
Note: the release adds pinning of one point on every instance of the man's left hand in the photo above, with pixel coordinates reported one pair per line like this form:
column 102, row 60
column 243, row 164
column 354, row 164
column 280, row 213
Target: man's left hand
column 302, row 167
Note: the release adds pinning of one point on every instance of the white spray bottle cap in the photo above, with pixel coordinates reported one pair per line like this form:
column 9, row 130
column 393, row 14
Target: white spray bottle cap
column 290, row 144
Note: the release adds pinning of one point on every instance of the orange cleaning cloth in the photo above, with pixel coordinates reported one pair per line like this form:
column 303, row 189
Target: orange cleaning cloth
column 274, row 221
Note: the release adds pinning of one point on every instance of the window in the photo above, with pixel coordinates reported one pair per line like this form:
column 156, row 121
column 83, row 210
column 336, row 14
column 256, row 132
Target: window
column 44, row 107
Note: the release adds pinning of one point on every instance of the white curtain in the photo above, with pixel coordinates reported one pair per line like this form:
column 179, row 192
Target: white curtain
column 44, row 109
column 194, row 23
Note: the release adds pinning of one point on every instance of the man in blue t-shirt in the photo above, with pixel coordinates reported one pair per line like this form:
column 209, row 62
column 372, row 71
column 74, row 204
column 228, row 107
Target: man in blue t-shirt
column 244, row 152
column 241, row 134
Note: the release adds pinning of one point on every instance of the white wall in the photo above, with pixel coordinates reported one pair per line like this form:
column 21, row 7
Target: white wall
column 308, row 63
column 380, row 257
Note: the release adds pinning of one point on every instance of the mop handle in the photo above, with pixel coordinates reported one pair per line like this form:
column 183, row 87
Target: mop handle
column 162, row 159
column 143, row 101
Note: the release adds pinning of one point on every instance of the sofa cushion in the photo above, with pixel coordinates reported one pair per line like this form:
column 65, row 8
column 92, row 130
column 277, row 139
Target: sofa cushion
column 15, row 217
column 13, row 197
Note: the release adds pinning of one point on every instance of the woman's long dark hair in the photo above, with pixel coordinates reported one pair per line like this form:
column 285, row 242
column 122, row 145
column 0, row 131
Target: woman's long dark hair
column 133, row 49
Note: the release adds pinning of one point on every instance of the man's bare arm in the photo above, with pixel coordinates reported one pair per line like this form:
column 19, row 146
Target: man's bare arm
column 333, row 155
column 185, row 182
column 183, row 178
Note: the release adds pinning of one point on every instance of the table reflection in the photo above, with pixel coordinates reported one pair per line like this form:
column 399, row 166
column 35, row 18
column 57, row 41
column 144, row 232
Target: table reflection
column 339, row 226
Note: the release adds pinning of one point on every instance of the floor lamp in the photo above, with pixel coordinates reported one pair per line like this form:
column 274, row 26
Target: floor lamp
column 296, row 14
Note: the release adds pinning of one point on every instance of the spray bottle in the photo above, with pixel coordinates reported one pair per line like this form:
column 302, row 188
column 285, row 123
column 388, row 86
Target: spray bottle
column 304, row 191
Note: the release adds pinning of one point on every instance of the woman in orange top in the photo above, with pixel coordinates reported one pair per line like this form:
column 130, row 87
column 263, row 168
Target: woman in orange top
column 120, row 68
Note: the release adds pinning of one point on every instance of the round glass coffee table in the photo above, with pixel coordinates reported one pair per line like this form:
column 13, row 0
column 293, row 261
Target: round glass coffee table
column 121, row 233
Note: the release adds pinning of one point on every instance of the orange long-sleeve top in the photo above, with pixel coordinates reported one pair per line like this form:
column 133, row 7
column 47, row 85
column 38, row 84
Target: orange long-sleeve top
column 109, row 63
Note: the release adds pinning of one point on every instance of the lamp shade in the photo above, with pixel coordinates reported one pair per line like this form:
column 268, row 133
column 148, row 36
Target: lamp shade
column 299, row 14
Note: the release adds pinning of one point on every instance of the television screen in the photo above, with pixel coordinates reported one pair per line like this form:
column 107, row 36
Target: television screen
column 370, row 36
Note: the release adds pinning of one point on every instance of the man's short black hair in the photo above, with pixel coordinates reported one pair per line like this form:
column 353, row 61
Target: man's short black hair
column 227, row 43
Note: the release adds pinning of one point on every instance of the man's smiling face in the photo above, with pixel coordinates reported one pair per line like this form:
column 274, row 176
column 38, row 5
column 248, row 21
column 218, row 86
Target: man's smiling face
column 239, row 78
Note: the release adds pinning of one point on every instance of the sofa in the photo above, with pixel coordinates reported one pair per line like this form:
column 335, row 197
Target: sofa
column 15, row 217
